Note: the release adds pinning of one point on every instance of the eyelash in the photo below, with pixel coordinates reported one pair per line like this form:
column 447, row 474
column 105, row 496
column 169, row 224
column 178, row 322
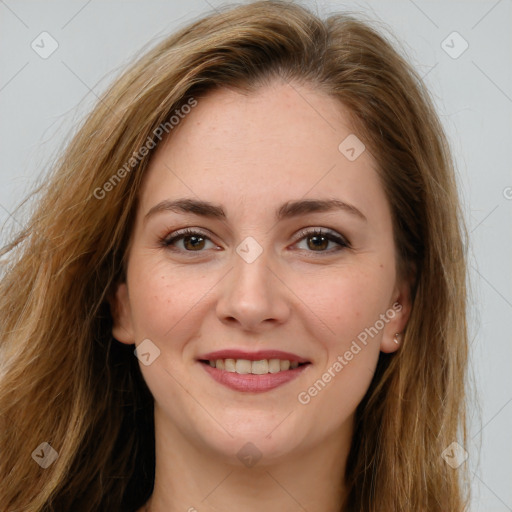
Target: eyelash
column 343, row 243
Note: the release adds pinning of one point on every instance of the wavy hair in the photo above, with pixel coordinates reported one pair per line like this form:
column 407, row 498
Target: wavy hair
column 66, row 381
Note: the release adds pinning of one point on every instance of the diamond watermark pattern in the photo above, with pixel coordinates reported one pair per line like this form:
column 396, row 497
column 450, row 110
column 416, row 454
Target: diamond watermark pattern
column 454, row 455
column 147, row 352
column 454, row 45
column 44, row 45
column 351, row 147
column 45, row 455
column 249, row 455
column 249, row 249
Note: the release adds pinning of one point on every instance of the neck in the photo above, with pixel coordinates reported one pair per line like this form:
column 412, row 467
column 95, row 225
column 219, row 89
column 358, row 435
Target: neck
column 191, row 479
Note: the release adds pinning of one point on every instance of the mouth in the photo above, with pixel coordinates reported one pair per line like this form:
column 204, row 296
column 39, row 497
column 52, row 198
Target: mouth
column 259, row 367
column 253, row 372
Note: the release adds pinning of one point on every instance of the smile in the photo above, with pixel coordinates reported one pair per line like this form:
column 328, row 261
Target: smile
column 261, row 367
column 254, row 372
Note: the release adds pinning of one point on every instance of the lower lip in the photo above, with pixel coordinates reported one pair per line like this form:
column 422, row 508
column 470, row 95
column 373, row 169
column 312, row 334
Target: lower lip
column 253, row 383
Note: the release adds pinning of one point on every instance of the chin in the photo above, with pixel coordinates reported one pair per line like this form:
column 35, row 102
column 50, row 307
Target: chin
column 260, row 438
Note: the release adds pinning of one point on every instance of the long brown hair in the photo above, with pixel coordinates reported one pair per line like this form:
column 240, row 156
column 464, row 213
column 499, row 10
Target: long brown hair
column 65, row 381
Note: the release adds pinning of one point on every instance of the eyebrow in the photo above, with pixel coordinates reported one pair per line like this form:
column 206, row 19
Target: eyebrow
column 288, row 210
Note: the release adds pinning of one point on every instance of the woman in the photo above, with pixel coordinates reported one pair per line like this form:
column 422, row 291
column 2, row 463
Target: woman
column 264, row 206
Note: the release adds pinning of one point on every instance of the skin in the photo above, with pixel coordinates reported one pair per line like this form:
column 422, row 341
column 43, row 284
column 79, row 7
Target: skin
column 250, row 154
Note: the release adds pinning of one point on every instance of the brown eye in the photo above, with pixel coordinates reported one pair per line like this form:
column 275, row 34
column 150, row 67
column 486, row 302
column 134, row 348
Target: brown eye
column 192, row 241
column 318, row 240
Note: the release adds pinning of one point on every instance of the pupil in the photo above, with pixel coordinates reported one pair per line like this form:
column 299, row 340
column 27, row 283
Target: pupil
column 195, row 241
column 317, row 238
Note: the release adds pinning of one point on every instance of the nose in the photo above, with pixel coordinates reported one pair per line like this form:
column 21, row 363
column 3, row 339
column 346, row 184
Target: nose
column 253, row 296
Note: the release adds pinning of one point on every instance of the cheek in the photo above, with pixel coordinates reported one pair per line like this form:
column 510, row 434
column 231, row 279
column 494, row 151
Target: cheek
column 159, row 298
column 350, row 303
column 347, row 300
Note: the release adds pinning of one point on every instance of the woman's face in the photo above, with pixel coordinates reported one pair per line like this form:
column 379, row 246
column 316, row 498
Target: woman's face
column 266, row 276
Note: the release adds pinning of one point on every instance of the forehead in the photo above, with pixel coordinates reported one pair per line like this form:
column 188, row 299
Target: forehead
column 276, row 144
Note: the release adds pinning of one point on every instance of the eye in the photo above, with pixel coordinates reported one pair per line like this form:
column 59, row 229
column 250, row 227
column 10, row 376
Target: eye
column 318, row 240
column 193, row 240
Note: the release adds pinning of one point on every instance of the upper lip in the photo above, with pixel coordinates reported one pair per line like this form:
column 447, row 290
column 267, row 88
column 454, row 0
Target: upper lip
column 252, row 356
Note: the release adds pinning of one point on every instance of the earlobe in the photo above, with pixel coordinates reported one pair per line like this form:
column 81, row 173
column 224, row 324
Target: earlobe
column 122, row 328
column 399, row 314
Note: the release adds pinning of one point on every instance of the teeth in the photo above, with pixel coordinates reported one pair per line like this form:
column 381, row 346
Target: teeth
column 261, row 367
column 229, row 365
column 274, row 365
column 243, row 366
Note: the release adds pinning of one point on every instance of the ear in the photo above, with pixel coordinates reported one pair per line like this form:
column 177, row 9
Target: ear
column 398, row 314
column 122, row 328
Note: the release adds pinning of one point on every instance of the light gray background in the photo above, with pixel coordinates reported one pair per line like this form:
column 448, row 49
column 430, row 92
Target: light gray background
column 41, row 101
